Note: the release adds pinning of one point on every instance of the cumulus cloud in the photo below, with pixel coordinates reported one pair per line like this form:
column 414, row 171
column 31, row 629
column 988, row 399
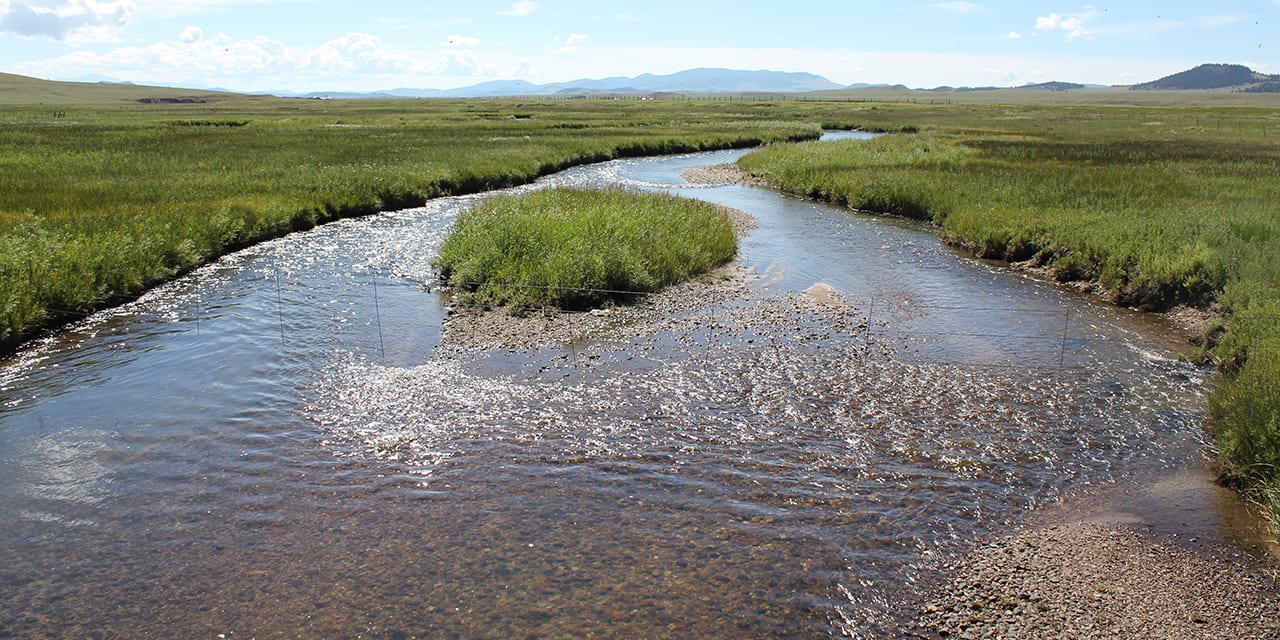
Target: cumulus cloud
column 208, row 58
column 571, row 43
column 195, row 58
column 455, row 63
column 520, row 8
column 1072, row 25
column 72, row 21
column 1014, row 35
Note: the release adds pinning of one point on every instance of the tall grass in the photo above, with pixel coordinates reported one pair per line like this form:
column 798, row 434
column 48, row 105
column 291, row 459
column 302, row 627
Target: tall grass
column 1163, row 211
column 576, row 249
column 114, row 198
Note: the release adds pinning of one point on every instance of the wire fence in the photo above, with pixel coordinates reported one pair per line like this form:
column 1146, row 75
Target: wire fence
column 954, row 334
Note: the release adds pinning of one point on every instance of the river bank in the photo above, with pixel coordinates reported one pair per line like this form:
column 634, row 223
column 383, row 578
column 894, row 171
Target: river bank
column 1108, row 574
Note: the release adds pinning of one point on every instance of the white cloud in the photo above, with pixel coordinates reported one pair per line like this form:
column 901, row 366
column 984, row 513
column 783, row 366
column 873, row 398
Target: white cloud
column 1014, row 35
column 1072, row 24
column 356, row 61
column 571, row 42
column 349, row 53
column 462, row 63
column 455, row 40
column 71, row 21
column 520, row 8
column 959, row 6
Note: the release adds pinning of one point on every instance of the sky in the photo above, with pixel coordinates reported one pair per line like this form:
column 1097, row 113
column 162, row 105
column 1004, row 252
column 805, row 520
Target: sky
column 324, row 45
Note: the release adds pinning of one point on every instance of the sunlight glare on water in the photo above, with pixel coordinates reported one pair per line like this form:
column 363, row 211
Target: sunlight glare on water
column 281, row 444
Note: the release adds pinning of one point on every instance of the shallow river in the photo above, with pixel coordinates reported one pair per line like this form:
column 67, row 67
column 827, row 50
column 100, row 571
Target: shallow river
column 278, row 446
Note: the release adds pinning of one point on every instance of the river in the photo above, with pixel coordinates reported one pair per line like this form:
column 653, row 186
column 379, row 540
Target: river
column 277, row 445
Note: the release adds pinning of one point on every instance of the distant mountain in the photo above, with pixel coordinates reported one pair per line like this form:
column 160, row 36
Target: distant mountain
column 1214, row 76
column 1060, row 87
column 691, row 81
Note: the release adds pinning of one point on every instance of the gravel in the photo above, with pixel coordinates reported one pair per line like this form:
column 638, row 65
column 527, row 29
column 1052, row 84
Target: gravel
column 717, row 174
column 1101, row 580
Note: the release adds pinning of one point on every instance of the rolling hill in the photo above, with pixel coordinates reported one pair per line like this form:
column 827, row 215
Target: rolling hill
column 1214, row 76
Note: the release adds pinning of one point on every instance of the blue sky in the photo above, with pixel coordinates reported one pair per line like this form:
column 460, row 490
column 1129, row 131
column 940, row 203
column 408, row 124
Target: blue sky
column 306, row 45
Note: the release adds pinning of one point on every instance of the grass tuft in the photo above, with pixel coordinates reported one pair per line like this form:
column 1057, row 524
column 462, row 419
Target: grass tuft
column 576, row 249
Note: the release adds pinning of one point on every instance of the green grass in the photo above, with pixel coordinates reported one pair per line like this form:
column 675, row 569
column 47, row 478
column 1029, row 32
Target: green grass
column 108, row 191
column 1163, row 205
column 577, row 249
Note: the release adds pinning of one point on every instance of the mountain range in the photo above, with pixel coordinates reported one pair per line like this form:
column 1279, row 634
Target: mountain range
column 690, row 81
column 1212, row 78
column 1221, row 77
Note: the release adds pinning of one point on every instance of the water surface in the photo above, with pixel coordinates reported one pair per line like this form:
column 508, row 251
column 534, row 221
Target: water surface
column 277, row 446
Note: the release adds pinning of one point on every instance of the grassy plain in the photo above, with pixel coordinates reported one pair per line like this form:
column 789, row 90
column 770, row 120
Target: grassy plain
column 575, row 249
column 108, row 189
column 1163, row 204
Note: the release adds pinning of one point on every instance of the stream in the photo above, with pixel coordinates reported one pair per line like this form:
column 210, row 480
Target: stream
column 278, row 445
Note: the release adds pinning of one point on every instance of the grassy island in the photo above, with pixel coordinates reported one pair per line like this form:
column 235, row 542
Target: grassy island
column 574, row 249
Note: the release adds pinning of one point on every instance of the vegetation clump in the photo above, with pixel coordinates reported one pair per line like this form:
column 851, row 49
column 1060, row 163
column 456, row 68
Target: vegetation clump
column 575, row 249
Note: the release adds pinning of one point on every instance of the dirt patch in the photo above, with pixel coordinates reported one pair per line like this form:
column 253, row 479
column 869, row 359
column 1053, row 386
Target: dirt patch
column 718, row 174
column 1196, row 323
column 824, row 293
column 521, row 329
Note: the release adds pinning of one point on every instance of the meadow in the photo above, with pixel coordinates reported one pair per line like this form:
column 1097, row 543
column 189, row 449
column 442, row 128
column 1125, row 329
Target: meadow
column 1162, row 205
